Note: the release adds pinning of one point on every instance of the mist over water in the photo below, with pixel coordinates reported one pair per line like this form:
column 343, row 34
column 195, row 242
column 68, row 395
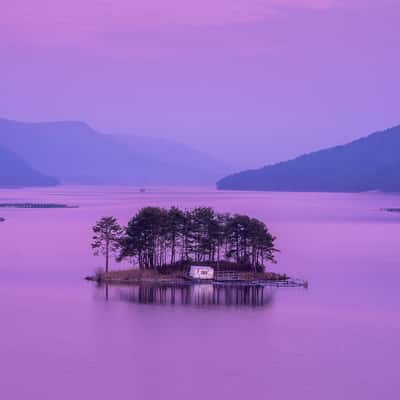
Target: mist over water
column 66, row 338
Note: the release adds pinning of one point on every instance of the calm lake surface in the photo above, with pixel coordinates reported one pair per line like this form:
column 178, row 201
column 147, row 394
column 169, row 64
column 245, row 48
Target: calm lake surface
column 61, row 339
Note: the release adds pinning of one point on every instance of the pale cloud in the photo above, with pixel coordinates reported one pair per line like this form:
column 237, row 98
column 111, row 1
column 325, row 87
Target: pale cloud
column 313, row 4
column 48, row 21
column 83, row 22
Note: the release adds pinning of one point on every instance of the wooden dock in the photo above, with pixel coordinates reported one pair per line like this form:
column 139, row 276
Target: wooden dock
column 226, row 276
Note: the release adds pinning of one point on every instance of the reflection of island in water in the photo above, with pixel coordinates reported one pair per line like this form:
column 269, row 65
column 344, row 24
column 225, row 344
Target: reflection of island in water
column 199, row 295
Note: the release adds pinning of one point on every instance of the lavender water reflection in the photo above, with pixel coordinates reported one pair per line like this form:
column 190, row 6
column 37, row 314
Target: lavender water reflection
column 198, row 295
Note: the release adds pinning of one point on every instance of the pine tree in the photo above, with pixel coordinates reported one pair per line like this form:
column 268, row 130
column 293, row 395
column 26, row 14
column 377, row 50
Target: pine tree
column 106, row 238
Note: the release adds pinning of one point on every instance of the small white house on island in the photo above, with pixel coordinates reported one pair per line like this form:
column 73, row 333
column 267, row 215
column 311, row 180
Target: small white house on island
column 201, row 272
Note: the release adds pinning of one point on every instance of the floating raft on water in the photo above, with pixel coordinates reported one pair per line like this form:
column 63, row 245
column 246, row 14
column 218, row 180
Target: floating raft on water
column 282, row 284
column 36, row 205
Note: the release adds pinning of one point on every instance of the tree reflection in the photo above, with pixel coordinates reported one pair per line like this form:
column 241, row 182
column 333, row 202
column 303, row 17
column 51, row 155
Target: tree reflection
column 198, row 295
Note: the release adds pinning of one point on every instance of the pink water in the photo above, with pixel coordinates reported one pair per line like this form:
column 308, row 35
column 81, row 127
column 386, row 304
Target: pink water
column 60, row 338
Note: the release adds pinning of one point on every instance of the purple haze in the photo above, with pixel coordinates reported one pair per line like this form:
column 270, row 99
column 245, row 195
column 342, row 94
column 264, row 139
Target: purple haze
column 249, row 81
column 336, row 340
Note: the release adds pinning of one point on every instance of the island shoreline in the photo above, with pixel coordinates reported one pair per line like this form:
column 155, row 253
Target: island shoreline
column 150, row 277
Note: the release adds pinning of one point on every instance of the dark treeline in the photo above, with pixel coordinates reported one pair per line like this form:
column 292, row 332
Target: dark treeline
column 156, row 237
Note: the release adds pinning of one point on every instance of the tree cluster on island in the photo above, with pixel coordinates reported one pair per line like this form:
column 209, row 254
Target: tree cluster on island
column 158, row 239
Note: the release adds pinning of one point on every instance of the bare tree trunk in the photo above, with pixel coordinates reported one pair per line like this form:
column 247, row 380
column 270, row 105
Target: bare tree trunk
column 107, row 255
column 173, row 250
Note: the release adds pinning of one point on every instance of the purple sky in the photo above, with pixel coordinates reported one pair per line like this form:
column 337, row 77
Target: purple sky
column 250, row 81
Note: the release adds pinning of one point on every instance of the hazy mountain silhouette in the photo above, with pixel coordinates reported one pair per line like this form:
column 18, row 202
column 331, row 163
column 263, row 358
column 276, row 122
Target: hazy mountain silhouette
column 370, row 163
column 15, row 172
column 172, row 162
column 76, row 153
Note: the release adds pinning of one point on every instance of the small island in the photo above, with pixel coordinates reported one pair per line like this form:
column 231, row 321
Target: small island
column 2, row 219
column 392, row 210
column 174, row 247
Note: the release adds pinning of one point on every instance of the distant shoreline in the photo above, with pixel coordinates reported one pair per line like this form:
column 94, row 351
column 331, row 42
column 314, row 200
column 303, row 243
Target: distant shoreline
column 36, row 205
column 392, row 210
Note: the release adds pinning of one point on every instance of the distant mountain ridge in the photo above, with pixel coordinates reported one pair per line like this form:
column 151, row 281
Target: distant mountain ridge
column 16, row 172
column 76, row 153
column 366, row 164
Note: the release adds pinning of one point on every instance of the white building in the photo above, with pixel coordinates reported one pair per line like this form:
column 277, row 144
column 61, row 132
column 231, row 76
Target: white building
column 201, row 272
